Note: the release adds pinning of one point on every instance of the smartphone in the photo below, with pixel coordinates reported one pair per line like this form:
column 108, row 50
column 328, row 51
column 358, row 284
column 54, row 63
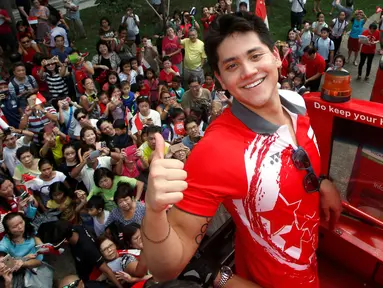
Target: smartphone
column 103, row 144
column 24, row 195
column 49, row 128
column 94, row 154
column 177, row 147
column 9, row 261
column 149, row 43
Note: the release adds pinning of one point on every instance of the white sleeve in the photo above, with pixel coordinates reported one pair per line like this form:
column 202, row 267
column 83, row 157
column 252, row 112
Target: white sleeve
column 332, row 45
column 61, row 175
column 157, row 118
column 77, row 130
column 137, row 19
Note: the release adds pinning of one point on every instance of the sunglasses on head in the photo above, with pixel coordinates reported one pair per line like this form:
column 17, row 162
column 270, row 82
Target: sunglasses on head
column 301, row 161
column 73, row 284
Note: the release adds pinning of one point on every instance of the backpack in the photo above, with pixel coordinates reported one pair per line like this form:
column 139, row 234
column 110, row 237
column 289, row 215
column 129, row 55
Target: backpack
column 329, row 44
column 17, row 86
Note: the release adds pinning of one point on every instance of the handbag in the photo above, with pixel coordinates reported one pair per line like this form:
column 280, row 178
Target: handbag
column 304, row 12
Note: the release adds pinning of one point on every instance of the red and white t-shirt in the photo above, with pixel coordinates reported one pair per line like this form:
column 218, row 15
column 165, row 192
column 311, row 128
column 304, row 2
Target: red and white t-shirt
column 249, row 168
column 372, row 37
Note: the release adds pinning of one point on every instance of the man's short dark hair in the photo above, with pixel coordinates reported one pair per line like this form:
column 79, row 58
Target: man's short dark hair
column 310, row 49
column 18, row 64
column 123, row 190
column 194, row 78
column 99, row 122
column 97, row 202
column 373, row 26
column 325, row 29
column 243, row 4
column 58, row 36
column 55, row 232
column 190, row 119
column 226, row 25
column 152, row 129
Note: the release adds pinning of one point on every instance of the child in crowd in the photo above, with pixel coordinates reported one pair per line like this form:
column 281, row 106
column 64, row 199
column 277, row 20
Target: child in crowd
column 60, row 199
column 96, row 209
column 298, row 82
column 112, row 80
column 144, row 88
column 307, row 37
column 176, row 90
column 152, row 81
column 209, row 82
column 318, row 25
column 136, row 67
column 103, row 100
column 287, row 84
column 115, row 107
column 126, row 72
column 128, row 97
column 325, row 46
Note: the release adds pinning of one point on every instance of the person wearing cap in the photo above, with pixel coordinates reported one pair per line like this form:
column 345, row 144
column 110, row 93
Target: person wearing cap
column 9, row 105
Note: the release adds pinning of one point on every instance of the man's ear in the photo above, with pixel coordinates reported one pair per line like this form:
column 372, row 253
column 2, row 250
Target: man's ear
column 216, row 74
column 277, row 57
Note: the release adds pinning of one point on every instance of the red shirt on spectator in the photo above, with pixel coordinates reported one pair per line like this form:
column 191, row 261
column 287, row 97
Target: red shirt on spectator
column 28, row 58
column 168, row 78
column 313, row 66
column 207, row 20
column 210, row 88
column 370, row 49
column 276, row 219
column 170, row 46
column 145, row 90
column 5, row 28
column 43, row 85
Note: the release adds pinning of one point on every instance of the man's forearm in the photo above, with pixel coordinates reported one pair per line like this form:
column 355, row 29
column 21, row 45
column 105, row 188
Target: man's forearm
column 164, row 259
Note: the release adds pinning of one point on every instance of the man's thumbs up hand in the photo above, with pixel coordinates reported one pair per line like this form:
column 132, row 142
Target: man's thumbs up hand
column 166, row 179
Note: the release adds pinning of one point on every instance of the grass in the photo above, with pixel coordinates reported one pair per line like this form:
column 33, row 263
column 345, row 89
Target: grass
column 278, row 15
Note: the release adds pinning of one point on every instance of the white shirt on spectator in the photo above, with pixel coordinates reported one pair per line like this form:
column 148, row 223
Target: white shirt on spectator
column 9, row 155
column 99, row 228
column 58, row 31
column 324, row 47
column 296, row 7
column 86, row 174
column 339, row 27
column 154, row 115
column 131, row 24
column 77, row 129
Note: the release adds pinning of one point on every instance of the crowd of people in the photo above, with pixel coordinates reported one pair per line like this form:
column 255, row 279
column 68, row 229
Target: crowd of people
column 78, row 134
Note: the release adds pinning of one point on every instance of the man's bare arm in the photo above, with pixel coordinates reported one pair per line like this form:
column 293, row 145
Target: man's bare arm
column 166, row 260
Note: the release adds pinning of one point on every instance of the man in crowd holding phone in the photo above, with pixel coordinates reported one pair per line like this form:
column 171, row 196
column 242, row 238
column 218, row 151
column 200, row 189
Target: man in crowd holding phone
column 270, row 183
column 9, row 105
column 92, row 159
column 60, row 50
column 132, row 23
column 36, row 116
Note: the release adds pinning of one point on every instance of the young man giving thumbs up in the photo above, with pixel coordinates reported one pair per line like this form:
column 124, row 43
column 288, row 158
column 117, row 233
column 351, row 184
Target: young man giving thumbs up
column 265, row 171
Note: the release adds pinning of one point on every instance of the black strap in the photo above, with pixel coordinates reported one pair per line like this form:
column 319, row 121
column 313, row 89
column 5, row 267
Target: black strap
column 300, row 3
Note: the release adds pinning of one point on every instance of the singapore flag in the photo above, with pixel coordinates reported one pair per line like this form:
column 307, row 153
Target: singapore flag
column 260, row 11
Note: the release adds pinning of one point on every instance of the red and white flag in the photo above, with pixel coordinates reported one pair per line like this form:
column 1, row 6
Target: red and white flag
column 40, row 99
column 260, row 11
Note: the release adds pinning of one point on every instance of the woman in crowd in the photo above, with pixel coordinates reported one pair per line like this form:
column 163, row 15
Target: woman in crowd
column 188, row 23
column 167, row 102
column 368, row 50
column 11, row 202
column 20, row 243
column 22, row 27
column 42, row 14
column 353, row 45
column 53, row 72
column 178, row 151
column 106, row 32
column 171, row 47
column 88, row 136
column 89, row 100
column 338, row 29
column 27, row 49
column 111, row 80
column 128, row 210
column 106, row 185
column 70, row 161
column 168, row 72
column 28, row 165
column 105, row 59
column 124, row 263
column 152, row 81
column 318, row 25
column 42, row 182
column 176, row 125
